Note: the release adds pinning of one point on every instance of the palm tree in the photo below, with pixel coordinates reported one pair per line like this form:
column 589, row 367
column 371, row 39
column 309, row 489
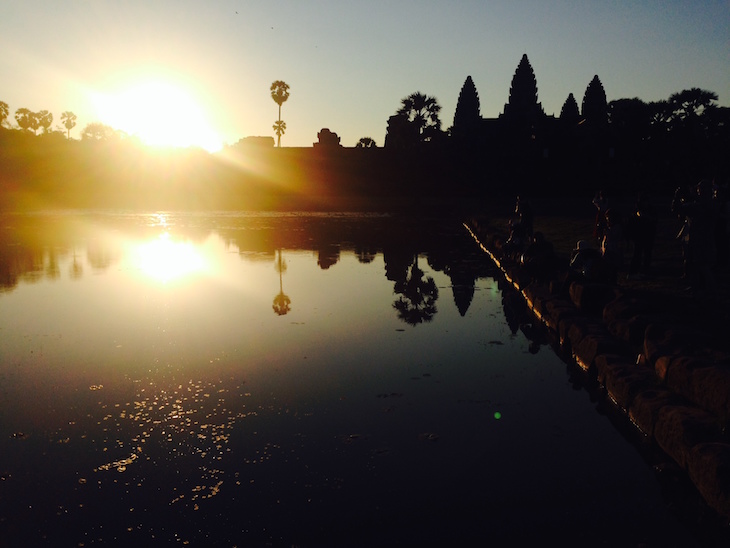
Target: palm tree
column 366, row 142
column 279, row 93
column 423, row 112
column 45, row 119
column 4, row 112
column 27, row 119
column 69, row 121
column 279, row 129
column 692, row 102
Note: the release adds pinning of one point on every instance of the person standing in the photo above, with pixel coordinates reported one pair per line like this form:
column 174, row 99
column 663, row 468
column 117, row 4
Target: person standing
column 599, row 200
column 700, row 221
column 642, row 231
column 526, row 215
column 611, row 246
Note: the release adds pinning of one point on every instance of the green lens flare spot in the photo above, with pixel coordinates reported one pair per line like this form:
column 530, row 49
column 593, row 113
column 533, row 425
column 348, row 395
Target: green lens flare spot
column 497, row 415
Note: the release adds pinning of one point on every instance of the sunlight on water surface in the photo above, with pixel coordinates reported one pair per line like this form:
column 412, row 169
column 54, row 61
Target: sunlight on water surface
column 165, row 259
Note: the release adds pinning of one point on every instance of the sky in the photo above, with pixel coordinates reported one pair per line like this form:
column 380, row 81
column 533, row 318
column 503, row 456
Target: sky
column 209, row 64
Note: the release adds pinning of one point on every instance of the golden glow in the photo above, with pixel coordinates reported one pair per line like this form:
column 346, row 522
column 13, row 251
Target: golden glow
column 160, row 114
column 164, row 259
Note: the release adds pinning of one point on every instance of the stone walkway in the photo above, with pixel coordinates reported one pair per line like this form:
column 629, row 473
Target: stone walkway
column 661, row 354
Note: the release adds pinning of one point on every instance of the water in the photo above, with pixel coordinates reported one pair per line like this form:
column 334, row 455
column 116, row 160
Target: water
column 291, row 380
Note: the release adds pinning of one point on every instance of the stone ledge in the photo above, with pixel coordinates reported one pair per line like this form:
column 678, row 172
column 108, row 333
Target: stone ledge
column 645, row 406
column 654, row 364
column 622, row 379
column 709, row 469
column 679, row 428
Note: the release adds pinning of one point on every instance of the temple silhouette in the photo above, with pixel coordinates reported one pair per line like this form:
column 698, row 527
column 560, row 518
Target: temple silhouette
column 592, row 143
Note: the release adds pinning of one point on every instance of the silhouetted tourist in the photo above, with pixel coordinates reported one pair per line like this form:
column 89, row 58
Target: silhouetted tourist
column 722, row 226
column 682, row 196
column 599, row 200
column 539, row 258
column 525, row 214
column 699, row 233
column 642, row 232
column 586, row 261
column 611, row 246
column 515, row 244
column 586, row 264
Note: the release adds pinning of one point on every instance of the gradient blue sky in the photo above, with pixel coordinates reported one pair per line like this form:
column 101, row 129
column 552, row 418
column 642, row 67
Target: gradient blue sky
column 350, row 63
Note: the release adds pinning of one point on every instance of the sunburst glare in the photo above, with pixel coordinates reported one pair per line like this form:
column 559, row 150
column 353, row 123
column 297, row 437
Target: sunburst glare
column 160, row 114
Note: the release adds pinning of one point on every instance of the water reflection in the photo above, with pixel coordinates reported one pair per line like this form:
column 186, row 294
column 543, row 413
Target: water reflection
column 167, row 248
column 282, row 302
column 418, row 295
column 136, row 412
column 165, row 259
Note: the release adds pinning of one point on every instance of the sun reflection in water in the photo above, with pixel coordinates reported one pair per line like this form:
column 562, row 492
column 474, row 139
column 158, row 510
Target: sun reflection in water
column 165, row 259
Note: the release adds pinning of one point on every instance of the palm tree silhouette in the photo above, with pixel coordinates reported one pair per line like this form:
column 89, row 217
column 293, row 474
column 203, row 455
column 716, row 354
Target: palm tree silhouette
column 422, row 111
column 280, row 129
column 69, row 121
column 282, row 302
column 77, row 269
column 279, row 93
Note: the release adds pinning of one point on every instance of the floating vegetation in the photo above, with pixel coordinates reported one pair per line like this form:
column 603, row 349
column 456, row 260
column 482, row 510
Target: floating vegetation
column 119, row 465
column 351, row 438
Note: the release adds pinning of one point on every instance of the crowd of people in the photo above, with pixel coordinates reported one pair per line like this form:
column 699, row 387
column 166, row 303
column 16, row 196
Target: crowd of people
column 623, row 240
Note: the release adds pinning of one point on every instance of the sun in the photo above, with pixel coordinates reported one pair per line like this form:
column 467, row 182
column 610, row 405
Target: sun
column 160, row 114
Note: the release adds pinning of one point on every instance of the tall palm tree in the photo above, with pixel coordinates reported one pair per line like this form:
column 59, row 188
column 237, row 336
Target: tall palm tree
column 69, row 121
column 279, row 93
column 45, row 119
column 4, row 112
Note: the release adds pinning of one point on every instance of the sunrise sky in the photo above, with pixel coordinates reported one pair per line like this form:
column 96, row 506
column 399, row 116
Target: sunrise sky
column 141, row 63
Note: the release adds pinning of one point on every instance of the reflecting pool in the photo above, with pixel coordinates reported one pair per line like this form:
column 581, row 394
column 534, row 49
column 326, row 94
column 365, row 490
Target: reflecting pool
column 292, row 380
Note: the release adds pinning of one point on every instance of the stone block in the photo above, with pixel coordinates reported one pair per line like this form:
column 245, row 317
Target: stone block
column 661, row 366
column 700, row 380
column 580, row 326
column 591, row 298
column 604, row 361
column 679, row 428
column 644, row 407
column 710, row 389
column 623, row 308
column 671, row 340
column 556, row 310
column 708, row 467
column 623, row 381
column 595, row 344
